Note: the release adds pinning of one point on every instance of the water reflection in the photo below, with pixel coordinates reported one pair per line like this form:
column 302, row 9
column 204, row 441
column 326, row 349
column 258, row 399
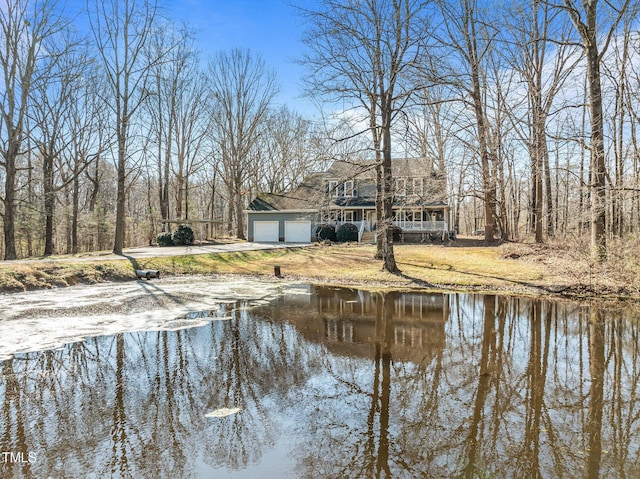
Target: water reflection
column 328, row 382
column 356, row 323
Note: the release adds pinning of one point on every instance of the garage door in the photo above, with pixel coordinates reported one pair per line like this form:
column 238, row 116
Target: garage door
column 265, row 231
column 297, row 231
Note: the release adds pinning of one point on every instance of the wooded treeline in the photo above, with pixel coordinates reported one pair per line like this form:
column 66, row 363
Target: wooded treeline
column 114, row 121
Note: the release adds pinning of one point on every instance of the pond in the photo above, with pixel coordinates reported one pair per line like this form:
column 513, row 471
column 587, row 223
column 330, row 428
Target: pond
column 312, row 381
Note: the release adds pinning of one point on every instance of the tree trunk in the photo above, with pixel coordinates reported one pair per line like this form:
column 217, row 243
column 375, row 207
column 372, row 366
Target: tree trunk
column 8, row 218
column 95, row 185
column 121, row 198
column 239, row 214
column 548, row 190
column 212, row 215
column 379, row 178
column 67, row 219
column 503, row 214
column 186, row 197
column 231, row 198
column 31, row 200
column 538, row 146
column 481, row 125
column 582, row 200
column 179, row 195
column 599, row 167
column 387, row 203
column 75, row 209
column 49, row 203
column 379, row 213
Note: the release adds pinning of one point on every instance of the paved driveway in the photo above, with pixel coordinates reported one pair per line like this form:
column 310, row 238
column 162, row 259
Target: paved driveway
column 155, row 251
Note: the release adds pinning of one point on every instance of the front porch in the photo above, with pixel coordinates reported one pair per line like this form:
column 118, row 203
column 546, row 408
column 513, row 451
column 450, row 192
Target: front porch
column 413, row 224
column 408, row 226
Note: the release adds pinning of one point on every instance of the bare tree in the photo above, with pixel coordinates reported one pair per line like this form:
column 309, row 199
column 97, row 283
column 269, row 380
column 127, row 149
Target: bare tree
column 468, row 39
column 544, row 59
column 429, row 129
column 168, row 80
column 364, row 54
column 54, row 128
column 589, row 22
column 242, row 91
column 25, row 27
column 620, row 122
column 190, row 130
column 89, row 141
column 122, row 30
column 286, row 153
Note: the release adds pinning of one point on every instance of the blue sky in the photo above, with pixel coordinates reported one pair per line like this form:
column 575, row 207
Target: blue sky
column 270, row 28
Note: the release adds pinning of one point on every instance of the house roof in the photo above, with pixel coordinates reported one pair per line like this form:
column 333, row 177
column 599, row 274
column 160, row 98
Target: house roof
column 309, row 195
column 400, row 167
column 312, row 192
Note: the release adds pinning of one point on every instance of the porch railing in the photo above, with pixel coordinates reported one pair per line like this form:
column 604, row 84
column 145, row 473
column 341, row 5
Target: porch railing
column 422, row 225
column 362, row 225
column 361, row 230
column 435, row 226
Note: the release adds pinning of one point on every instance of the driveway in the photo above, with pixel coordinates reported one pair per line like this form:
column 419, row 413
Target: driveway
column 155, row 251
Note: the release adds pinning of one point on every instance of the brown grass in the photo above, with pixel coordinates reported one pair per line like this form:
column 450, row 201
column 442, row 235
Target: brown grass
column 468, row 266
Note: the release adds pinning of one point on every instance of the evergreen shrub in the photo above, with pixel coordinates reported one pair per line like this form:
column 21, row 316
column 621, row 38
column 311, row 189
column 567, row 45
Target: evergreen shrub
column 183, row 235
column 165, row 239
column 326, row 232
column 347, row 232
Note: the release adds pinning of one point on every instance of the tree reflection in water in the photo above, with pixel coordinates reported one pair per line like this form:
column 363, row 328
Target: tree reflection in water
column 338, row 383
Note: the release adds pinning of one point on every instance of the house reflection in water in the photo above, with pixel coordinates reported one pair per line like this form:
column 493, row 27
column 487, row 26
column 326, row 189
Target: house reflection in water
column 352, row 322
column 366, row 335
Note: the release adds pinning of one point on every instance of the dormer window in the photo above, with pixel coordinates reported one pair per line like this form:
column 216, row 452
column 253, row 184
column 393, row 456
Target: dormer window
column 417, row 186
column 338, row 189
column 409, row 187
column 333, row 189
column 348, row 188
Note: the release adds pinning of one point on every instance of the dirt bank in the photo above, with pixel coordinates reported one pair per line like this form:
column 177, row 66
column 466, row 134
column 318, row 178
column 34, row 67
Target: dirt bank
column 515, row 268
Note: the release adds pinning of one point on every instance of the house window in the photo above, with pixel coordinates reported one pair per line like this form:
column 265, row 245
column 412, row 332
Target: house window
column 409, row 187
column 347, row 332
column 331, row 330
column 401, row 186
column 337, row 189
column 333, row 189
column 348, row 188
column 417, row 186
column 339, row 331
column 347, row 216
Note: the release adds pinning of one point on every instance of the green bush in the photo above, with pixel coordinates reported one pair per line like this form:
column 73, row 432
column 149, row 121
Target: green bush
column 347, row 232
column 183, row 235
column 165, row 239
column 326, row 232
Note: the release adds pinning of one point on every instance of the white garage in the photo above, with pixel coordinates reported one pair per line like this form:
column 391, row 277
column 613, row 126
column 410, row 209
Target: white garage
column 297, row 231
column 266, row 231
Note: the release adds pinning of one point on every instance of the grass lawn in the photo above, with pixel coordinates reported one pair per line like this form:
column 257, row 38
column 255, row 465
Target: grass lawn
column 512, row 268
